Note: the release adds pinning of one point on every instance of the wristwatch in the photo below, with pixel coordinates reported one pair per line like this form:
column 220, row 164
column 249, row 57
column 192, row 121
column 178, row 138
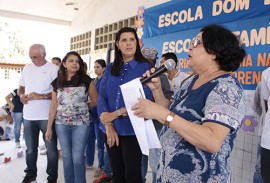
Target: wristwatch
column 169, row 119
column 119, row 114
column 46, row 96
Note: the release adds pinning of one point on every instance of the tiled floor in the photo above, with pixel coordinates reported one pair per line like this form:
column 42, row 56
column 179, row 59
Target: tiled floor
column 13, row 171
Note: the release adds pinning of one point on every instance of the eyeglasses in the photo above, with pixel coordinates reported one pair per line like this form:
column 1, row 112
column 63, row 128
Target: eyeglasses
column 35, row 57
column 195, row 42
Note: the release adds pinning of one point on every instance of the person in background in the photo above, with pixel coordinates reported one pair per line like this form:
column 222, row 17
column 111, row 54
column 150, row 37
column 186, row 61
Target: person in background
column 259, row 108
column 104, row 170
column 175, row 76
column 5, row 123
column 35, row 93
column 151, row 55
column 265, row 140
column 95, row 133
column 16, row 108
column 56, row 61
column 204, row 117
column 69, row 111
column 107, row 175
column 123, row 148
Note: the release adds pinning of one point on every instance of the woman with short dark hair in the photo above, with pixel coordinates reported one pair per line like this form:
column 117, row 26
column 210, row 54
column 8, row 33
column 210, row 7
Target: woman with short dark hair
column 202, row 122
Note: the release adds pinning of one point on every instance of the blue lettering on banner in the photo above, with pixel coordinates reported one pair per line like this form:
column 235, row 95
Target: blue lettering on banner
column 175, row 16
column 254, row 36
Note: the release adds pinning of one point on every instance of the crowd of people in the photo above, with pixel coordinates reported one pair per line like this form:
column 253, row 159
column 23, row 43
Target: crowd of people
column 196, row 117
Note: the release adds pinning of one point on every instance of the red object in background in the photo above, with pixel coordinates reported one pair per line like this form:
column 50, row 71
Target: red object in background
column 7, row 159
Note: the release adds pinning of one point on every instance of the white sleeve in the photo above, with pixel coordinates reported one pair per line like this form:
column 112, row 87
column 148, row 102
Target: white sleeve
column 265, row 86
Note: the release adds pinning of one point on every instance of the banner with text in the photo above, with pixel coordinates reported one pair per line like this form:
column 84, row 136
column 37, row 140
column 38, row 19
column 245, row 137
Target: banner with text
column 253, row 32
column 180, row 15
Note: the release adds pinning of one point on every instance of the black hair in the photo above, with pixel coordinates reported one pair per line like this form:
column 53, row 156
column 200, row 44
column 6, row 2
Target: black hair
column 78, row 78
column 224, row 45
column 57, row 58
column 118, row 58
column 170, row 55
column 101, row 62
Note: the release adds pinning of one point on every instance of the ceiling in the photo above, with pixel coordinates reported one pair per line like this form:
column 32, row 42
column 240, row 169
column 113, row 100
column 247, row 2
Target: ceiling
column 43, row 9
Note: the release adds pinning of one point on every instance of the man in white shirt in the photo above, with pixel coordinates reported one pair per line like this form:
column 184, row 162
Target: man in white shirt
column 265, row 138
column 35, row 93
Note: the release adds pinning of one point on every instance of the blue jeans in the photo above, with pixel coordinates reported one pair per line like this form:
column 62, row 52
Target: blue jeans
column 95, row 133
column 72, row 140
column 17, row 120
column 107, row 167
column 257, row 177
column 144, row 167
column 31, row 133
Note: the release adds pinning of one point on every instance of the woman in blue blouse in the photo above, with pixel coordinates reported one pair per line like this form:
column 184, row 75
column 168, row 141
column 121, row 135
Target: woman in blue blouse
column 69, row 110
column 205, row 115
column 122, row 145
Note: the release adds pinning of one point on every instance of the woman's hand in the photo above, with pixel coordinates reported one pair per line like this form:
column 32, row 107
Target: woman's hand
column 148, row 109
column 107, row 117
column 155, row 83
column 48, row 135
column 11, row 108
column 112, row 136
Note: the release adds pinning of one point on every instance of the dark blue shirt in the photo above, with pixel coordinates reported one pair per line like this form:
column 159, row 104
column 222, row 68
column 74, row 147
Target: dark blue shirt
column 110, row 96
column 93, row 111
column 18, row 106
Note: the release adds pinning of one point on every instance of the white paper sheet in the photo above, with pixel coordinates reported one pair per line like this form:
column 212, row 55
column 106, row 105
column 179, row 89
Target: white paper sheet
column 144, row 129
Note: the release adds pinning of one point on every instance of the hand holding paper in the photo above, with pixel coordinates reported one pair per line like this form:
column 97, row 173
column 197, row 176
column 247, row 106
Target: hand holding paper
column 144, row 130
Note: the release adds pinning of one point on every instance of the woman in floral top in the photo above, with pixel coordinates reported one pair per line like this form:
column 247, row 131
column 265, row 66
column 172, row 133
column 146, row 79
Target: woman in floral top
column 69, row 110
column 205, row 115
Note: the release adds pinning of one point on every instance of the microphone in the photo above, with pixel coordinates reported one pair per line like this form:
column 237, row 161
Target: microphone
column 168, row 65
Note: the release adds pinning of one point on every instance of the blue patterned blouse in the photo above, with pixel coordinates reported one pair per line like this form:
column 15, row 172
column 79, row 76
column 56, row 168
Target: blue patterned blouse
column 220, row 101
column 110, row 96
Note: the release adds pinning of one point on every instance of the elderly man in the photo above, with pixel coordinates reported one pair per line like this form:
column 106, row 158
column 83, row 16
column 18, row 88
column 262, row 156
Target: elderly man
column 35, row 93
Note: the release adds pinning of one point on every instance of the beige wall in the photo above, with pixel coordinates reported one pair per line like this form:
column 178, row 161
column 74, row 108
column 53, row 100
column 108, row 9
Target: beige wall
column 102, row 12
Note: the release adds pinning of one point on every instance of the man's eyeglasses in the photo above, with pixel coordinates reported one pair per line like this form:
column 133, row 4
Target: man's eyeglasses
column 195, row 42
column 35, row 57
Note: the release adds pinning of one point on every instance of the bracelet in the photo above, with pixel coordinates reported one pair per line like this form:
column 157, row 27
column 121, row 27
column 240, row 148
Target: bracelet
column 108, row 123
column 119, row 114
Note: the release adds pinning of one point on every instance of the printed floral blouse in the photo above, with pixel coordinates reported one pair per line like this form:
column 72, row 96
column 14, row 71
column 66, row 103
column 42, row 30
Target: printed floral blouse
column 72, row 106
column 220, row 101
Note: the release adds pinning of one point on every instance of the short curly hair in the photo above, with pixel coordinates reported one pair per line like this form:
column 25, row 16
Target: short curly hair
column 224, row 45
